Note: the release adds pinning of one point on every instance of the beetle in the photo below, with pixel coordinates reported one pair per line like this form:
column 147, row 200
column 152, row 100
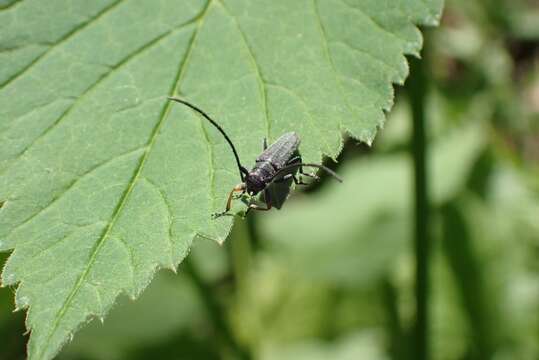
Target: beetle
column 273, row 172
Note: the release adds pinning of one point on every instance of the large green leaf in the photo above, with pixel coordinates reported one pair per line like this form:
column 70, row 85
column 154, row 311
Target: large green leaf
column 103, row 181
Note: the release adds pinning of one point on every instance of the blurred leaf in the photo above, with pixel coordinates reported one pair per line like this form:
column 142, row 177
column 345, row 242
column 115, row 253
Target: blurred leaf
column 473, row 293
column 507, row 234
column 104, row 181
column 524, row 21
column 210, row 259
column 491, row 246
column 272, row 316
column 276, row 312
column 397, row 132
column 361, row 345
column 518, row 18
column 366, row 217
column 449, row 326
column 184, row 345
column 512, row 199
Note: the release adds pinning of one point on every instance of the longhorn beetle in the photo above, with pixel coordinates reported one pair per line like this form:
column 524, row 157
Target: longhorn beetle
column 278, row 164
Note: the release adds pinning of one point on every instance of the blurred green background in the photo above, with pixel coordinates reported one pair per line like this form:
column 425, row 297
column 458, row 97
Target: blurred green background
column 331, row 276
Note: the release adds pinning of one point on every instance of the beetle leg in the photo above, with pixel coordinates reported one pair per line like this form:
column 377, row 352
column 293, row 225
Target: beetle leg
column 301, row 172
column 267, row 197
column 294, row 177
column 237, row 188
column 295, row 159
column 265, row 144
column 284, row 178
column 313, row 176
column 299, row 181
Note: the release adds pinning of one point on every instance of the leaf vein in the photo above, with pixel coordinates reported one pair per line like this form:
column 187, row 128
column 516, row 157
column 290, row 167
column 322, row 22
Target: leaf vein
column 59, row 241
column 88, row 90
column 130, row 255
column 17, row 119
column 59, row 42
column 126, row 195
column 325, row 45
column 73, row 184
column 258, row 72
column 170, row 217
column 50, row 246
column 393, row 69
column 211, row 166
column 375, row 22
column 306, row 108
column 97, row 294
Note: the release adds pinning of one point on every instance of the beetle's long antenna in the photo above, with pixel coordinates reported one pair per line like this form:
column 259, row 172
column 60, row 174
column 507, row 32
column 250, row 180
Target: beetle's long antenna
column 292, row 166
column 243, row 171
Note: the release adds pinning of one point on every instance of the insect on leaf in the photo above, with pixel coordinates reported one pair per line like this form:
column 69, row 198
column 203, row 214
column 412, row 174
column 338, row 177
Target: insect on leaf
column 103, row 181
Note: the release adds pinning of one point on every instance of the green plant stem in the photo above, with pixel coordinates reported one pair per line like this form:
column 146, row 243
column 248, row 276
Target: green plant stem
column 470, row 280
column 214, row 309
column 417, row 92
column 397, row 343
column 241, row 253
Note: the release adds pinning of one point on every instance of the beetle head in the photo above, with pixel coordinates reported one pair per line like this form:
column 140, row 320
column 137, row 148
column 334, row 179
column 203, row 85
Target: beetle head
column 253, row 184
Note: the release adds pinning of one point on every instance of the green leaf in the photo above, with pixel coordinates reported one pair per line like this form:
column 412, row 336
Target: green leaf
column 104, row 181
column 365, row 344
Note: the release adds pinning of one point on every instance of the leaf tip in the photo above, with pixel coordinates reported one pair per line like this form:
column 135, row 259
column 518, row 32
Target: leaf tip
column 220, row 241
column 369, row 141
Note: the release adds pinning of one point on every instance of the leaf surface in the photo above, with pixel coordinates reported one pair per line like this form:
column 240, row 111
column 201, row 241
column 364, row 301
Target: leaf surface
column 103, row 181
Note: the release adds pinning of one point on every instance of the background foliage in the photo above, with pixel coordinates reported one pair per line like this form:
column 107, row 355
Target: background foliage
column 332, row 274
